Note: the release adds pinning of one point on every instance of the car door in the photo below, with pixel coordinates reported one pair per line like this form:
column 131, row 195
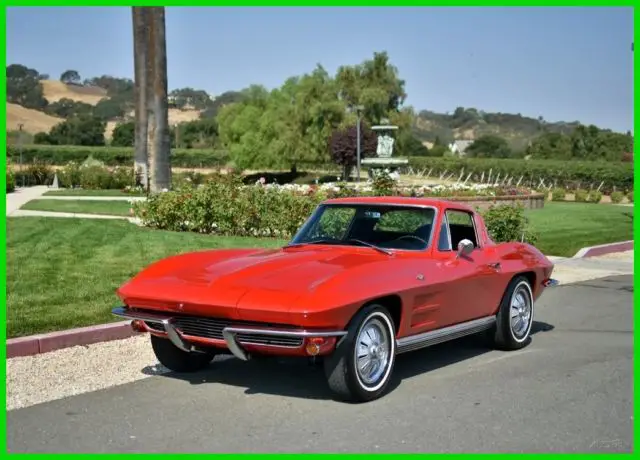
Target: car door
column 467, row 282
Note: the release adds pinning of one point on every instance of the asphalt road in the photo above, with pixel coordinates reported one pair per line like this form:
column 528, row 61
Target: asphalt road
column 569, row 390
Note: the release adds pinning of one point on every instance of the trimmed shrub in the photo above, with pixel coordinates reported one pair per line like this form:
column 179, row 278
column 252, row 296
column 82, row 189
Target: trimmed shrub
column 508, row 223
column 225, row 207
column 616, row 197
column 558, row 194
column 581, row 196
column 35, row 173
column 95, row 177
column 11, row 181
column 595, row 196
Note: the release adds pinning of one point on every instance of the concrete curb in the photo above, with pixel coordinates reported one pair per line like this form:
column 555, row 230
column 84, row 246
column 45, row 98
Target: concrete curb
column 43, row 343
column 603, row 249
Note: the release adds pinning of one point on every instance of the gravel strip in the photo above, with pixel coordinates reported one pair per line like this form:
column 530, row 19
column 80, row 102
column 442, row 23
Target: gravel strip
column 40, row 378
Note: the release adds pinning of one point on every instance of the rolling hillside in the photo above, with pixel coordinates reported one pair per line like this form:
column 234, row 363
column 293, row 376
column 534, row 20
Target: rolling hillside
column 35, row 121
column 470, row 124
column 56, row 90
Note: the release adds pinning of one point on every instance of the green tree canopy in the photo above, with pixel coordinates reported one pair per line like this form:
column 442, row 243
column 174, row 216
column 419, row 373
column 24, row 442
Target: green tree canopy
column 24, row 87
column 294, row 123
column 489, row 146
column 70, row 77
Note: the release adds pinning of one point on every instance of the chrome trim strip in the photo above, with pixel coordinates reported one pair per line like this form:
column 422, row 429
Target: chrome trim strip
column 284, row 333
column 125, row 312
column 235, row 347
column 427, row 339
column 175, row 337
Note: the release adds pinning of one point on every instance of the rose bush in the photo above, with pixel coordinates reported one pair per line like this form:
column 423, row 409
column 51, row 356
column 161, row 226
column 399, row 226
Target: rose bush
column 225, row 206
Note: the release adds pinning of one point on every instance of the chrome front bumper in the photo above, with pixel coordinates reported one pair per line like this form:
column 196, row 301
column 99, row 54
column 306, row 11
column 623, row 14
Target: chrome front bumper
column 230, row 334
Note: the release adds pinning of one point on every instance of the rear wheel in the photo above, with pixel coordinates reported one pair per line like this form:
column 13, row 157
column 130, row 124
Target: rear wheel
column 515, row 317
column 360, row 368
column 177, row 360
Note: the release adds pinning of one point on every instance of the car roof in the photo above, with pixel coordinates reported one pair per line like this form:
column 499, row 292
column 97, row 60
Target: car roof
column 400, row 201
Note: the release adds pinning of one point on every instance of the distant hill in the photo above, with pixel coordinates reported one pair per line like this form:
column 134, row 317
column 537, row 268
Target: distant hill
column 470, row 124
column 56, row 90
column 35, row 121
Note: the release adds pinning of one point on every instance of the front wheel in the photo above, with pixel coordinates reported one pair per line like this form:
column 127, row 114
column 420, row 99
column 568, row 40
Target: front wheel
column 515, row 317
column 360, row 368
column 177, row 360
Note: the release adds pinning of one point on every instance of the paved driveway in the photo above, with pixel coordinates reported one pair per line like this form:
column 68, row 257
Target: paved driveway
column 569, row 390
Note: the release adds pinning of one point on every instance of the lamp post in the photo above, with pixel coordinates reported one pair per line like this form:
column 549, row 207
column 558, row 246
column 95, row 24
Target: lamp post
column 358, row 109
column 20, row 126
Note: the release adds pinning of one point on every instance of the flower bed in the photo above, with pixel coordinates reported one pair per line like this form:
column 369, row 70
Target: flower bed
column 226, row 206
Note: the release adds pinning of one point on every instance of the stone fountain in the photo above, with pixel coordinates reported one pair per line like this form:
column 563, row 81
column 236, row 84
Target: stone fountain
column 383, row 159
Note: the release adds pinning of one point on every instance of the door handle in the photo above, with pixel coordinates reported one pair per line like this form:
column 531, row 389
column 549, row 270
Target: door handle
column 494, row 265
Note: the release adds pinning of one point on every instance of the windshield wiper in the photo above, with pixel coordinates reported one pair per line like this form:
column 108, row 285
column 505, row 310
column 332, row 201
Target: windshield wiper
column 308, row 242
column 373, row 246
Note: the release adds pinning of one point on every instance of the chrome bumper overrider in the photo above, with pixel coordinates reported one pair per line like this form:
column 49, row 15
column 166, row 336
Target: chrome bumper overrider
column 230, row 334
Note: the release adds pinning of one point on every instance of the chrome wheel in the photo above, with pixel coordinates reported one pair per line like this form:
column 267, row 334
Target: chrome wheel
column 520, row 312
column 372, row 352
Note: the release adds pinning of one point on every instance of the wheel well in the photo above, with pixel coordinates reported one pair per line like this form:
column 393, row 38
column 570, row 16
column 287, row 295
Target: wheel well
column 531, row 277
column 393, row 303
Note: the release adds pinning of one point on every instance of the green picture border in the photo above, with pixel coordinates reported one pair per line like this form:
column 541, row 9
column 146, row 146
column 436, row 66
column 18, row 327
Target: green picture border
column 293, row 3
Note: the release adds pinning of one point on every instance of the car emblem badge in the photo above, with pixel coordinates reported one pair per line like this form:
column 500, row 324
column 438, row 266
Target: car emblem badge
column 180, row 306
column 420, row 277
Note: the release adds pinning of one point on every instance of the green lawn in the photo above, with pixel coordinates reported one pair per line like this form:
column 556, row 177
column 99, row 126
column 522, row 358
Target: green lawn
column 63, row 273
column 89, row 192
column 115, row 208
column 565, row 228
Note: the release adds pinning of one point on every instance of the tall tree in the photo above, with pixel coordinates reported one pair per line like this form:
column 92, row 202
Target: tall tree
column 70, row 77
column 140, row 51
column 150, row 48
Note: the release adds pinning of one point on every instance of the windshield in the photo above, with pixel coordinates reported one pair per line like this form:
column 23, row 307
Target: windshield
column 383, row 226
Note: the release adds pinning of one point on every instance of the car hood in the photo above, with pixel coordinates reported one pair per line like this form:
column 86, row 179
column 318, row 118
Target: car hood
column 250, row 280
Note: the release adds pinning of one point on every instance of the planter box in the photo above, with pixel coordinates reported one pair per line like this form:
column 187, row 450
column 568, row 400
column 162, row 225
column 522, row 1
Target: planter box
column 533, row 201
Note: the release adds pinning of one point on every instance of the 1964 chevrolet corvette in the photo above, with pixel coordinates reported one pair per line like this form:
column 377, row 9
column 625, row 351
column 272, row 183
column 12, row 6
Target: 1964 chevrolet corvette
column 363, row 280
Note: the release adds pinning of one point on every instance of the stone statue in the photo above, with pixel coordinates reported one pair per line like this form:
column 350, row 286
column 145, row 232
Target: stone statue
column 385, row 146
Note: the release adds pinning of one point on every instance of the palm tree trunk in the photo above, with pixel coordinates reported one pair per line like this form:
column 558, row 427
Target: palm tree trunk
column 140, row 47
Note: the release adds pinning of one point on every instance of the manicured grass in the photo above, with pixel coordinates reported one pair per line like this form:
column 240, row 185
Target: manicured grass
column 89, row 192
column 565, row 228
column 63, row 273
column 115, row 208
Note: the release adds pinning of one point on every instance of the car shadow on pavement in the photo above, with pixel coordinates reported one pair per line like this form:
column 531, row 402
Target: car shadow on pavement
column 296, row 378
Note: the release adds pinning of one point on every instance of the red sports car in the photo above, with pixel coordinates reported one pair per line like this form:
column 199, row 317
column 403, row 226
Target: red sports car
column 363, row 280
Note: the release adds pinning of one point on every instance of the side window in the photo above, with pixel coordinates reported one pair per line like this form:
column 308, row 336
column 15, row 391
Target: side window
column 333, row 224
column 461, row 227
column 444, row 240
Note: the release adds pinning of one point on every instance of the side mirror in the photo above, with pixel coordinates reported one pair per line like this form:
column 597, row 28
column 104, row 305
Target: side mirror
column 465, row 247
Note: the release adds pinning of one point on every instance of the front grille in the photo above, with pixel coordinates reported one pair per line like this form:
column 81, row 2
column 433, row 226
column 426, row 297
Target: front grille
column 211, row 328
column 155, row 326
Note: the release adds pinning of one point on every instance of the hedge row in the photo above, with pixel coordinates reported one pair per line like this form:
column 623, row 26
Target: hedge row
column 567, row 174
column 112, row 156
column 226, row 207
column 572, row 175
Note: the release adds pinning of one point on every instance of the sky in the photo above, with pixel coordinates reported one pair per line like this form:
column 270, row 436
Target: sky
column 564, row 64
